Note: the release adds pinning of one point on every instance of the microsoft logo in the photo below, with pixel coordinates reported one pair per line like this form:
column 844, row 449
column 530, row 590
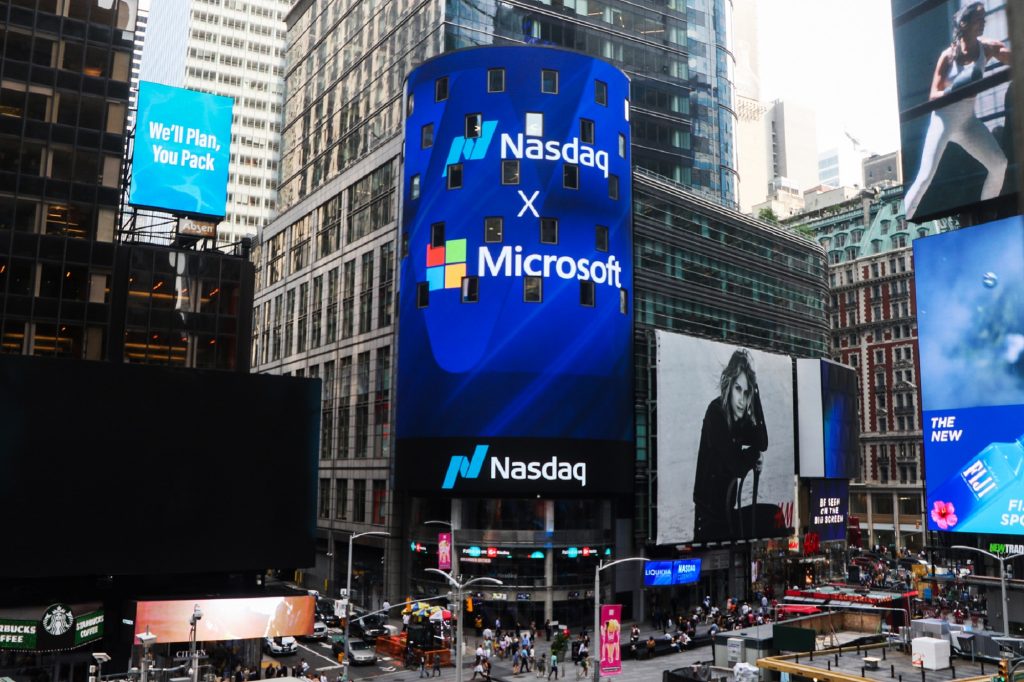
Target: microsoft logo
column 470, row 148
column 446, row 265
column 467, row 467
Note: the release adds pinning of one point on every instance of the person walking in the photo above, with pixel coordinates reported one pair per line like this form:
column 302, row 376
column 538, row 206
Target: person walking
column 423, row 666
column 553, row 669
column 437, row 666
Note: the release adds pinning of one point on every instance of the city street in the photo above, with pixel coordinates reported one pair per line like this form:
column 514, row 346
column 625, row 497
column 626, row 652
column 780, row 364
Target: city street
column 321, row 660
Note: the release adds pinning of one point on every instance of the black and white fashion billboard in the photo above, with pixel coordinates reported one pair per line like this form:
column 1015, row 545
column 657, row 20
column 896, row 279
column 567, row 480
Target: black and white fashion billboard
column 725, row 441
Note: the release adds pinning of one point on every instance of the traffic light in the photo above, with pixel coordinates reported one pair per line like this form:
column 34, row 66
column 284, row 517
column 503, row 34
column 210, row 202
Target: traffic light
column 1004, row 668
column 469, row 605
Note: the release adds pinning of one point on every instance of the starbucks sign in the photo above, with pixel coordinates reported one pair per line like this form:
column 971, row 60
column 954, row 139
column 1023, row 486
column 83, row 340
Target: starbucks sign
column 58, row 626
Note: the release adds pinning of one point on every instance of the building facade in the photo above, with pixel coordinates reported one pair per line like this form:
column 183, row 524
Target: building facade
column 69, row 288
column 873, row 320
column 327, row 264
column 233, row 48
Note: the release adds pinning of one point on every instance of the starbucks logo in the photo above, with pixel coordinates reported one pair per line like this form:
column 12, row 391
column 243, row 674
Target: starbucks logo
column 58, row 619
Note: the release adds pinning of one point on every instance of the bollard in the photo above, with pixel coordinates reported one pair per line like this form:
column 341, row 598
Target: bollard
column 837, row 660
column 982, row 667
column 892, row 670
column 953, row 669
column 811, row 654
column 828, row 664
column 862, row 671
column 922, row 674
column 883, row 652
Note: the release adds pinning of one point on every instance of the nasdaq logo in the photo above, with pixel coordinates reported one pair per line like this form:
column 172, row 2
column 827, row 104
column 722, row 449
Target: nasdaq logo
column 466, row 467
column 470, row 148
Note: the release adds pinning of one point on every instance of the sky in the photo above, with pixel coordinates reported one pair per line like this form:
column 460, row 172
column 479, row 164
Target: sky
column 835, row 56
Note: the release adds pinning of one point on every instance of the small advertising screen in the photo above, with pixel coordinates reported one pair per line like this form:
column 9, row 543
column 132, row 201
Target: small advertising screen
column 828, row 427
column 970, row 312
column 827, row 502
column 182, row 150
column 678, row 572
column 953, row 78
column 226, row 619
column 725, row 441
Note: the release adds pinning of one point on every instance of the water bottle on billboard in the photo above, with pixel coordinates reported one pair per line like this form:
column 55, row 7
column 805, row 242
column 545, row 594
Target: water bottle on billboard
column 977, row 484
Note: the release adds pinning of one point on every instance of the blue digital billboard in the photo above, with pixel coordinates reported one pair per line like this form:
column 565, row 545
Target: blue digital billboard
column 829, row 427
column 181, row 153
column 515, row 319
column 678, row 572
column 970, row 307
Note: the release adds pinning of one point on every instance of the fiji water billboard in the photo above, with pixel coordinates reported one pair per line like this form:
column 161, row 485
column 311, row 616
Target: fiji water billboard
column 515, row 320
column 970, row 306
column 182, row 150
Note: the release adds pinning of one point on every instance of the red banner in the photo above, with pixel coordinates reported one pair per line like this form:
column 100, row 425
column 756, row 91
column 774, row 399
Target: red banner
column 444, row 551
column 611, row 639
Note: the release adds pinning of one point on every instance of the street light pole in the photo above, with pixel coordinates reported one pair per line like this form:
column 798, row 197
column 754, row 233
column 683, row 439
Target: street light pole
column 197, row 614
column 348, row 583
column 596, row 641
column 1002, row 580
column 459, row 587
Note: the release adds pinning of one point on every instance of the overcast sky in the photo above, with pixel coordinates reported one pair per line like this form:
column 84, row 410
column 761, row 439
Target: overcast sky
column 835, row 56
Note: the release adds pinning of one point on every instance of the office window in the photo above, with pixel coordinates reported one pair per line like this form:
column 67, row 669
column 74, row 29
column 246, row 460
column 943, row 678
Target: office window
column 586, row 131
column 359, row 499
column 436, row 235
column 495, row 80
column 325, row 499
column 601, row 238
column 341, row 498
column 494, row 228
column 510, row 172
column 455, row 176
column 470, row 289
column 532, row 291
column 414, row 187
column 622, row 146
column 427, row 136
column 441, row 89
column 601, row 93
column 422, row 294
column 549, row 81
column 379, row 502
column 570, row 176
column 534, row 124
column 613, row 187
column 587, row 293
column 474, row 124
column 624, row 301
column 549, row 230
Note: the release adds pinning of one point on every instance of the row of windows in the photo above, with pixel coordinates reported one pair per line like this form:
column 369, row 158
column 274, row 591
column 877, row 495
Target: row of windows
column 342, row 510
column 496, row 83
column 510, row 175
column 494, row 232
column 533, row 292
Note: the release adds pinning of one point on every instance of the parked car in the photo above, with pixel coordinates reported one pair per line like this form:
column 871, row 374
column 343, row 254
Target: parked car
column 367, row 627
column 325, row 611
column 319, row 630
column 280, row 646
column 361, row 653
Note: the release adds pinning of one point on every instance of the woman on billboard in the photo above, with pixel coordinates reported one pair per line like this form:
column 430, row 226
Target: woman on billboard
column 733, row 439
column 960, row 64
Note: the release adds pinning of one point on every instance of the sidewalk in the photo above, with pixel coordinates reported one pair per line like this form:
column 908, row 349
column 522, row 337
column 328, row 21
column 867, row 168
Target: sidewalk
column 632, row 671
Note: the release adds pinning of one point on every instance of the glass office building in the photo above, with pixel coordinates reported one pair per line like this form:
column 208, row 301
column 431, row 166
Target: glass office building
column 326, row 273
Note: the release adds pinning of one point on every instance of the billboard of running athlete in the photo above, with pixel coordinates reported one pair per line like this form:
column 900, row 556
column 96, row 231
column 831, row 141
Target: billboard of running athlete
column 956, row 118
column 725, row 455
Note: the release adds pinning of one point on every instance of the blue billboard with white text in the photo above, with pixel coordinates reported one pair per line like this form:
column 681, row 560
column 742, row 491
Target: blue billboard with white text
column 182, row 149
column 515, row 318
column 970, row 306
column 678, row 572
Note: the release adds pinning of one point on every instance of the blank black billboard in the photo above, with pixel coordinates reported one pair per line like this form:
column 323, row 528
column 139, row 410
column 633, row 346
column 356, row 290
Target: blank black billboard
column 115, row 469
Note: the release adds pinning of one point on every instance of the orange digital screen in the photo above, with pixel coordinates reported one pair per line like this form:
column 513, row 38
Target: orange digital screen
column 225, row 619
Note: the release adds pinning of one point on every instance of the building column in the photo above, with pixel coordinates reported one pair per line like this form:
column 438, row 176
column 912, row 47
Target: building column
column 549, row 562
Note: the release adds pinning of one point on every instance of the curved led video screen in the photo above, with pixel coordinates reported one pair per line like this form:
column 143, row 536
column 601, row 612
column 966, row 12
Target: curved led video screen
column 970, row 315
column 515, row 330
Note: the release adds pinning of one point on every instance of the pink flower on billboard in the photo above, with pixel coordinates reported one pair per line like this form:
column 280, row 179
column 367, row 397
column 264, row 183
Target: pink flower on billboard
column 944, row 514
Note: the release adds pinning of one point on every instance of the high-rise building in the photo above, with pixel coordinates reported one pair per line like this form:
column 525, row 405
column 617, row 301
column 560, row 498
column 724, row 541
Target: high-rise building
column 778, row 150
column 840, row 165
column 874, row 330
column 69, row 289
column 327, row 265
column 883, row 170
column 233, row 48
